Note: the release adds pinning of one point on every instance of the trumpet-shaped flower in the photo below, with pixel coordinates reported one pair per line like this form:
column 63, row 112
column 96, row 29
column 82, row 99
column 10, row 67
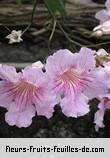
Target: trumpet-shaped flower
column 24, row 93
column 99, row 115
column 75, row 80
column 104, row 14
column 104, row 99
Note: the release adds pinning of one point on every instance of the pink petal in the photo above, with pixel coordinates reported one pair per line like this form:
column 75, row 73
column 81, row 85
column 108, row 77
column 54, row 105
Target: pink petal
column 25, row 118
column 34, row 76
column 9, row 73
column 102, row 16
column 99, row 116
column 6, row 97
column 59, row 61
column 98, row 86
column 85, row 59
column 108, row 4
column 20, row 118
column 12, row 115
column 45, row 110
column 45, row 102
column 11, row 118
column 75, row 106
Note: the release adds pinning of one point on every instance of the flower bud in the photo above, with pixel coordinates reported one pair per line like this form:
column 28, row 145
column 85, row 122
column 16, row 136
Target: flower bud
column 102, row 29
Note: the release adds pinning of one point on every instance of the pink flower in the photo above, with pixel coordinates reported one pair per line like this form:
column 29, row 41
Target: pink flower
column 104, row 15
column 104, row 99
column 75, row 80
column 99, row 116
column 24, row 93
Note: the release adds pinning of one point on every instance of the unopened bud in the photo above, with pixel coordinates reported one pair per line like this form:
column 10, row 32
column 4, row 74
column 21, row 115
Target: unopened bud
column 102, row 29
column 97, row 33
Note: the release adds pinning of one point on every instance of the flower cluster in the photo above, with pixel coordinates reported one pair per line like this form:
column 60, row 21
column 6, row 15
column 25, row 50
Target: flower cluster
column 67, row 79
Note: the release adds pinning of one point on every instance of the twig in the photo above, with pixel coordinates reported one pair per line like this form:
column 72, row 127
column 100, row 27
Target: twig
column 97, row 45
column 68, row 38
column 39, row 32
column 6, row 28
column 32, row 17
column 53, row 30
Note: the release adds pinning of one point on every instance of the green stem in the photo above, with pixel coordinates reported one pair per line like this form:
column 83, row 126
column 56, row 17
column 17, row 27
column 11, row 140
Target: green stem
column 32, row 17
column 53, row 30
column 68, row 38
column 97, row 45
column 6, row 28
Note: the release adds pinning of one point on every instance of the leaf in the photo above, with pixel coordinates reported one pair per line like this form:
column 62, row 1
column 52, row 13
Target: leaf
column 55, row 6
column 19, row 2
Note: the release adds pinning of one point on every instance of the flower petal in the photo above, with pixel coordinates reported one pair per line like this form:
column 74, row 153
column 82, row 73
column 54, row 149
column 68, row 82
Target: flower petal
column 20, row 118
column 75, row 106
column 98, row 86
column 107, row 4
column 102, row 16
column 99, row 116
column 6, row 97
column 45, row 110
column 44, row 102
column 9, row 73
column 34, row 76
column 59, row 61
column 85, row 59
column 25, row 117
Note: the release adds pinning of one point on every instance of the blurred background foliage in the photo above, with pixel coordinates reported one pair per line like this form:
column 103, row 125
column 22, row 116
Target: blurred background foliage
column 52, row 5
column 71, row 20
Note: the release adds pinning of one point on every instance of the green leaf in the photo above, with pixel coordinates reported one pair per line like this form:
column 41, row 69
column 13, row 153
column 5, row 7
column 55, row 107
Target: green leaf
column 55, row 6
column 19, row 2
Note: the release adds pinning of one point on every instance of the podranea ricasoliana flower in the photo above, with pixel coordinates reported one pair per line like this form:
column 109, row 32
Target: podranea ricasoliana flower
column 99, row 115
column 24, row 93
column 74, row 79
column 104, row 14
column 104, row 99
